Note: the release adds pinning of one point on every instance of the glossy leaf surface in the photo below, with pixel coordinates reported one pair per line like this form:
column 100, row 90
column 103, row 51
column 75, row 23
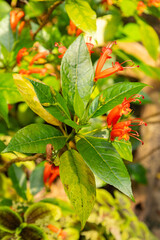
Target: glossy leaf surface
column 114, row 95
column 34, row 138
column 77, row 72
column 105, row 162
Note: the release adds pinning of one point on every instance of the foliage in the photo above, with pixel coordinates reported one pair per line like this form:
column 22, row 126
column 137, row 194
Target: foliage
column 108, row 219
column 55, row 94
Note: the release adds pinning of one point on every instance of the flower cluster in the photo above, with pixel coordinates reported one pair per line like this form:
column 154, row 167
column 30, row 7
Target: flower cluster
column 62, row 49
column 141, row 6
column 116, row 67
column 40, row 55
column 122, row 129
column 51, row 172
column 15, row 17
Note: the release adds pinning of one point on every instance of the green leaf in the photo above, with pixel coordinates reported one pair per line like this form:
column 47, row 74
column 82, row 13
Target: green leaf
column 128, row 7
column 9, row 89
column 4, row 234
column 105, row 162
column 34, row 138
column 115, row 94
column 111, row 27
column 137, row 172
column 36, row 180
column 19, row 180
column 82, row 15
column 33, row 232
column 79, row 183
column 77, row 72
column 5, row 8
column 2, row 146
column 149, row 38
column 42, row 210
column 124, row 148
column 28, row 93
column 9, row 220
column 78, row 105
column 57, row 106
column 6, row 35
column 4, row 108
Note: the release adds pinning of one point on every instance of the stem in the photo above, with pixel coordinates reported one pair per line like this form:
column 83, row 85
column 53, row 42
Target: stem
column 50, row 10
column 18, row 159
column 62, row 130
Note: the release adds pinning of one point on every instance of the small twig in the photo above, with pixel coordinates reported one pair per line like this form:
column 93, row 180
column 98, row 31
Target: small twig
column 18, row 159
column 57, row 3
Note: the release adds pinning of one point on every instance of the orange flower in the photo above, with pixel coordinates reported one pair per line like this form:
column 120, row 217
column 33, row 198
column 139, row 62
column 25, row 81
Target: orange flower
column 106, row 52
column 90, row 46
column 41, row 71
column 15, row 18
column 122, row 130
column 73, row 30
column 119, row 110
column 22, row 52
column 21, row 26
column 51, row 172
column 61, row 49
column 141, row 7
column 38, row 56
column 60, row 232
column 155, row 3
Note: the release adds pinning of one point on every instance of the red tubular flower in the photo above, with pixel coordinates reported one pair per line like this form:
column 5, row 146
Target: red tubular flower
column 141, row 7
column 115, row 68
column 60, row 232
column 21, row 26
column 90, row 46
column 41, row 71
column 119, row 110
column 61, row 49
column 106, row 51
column 78, row 32
column 22, row 52
column 51, row 172
column 122, row 130
column 38, row 56
column 73, row 30
column 15, row 18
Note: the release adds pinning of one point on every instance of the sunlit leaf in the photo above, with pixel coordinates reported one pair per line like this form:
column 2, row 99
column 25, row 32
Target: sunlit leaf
column 28, row 93
column 79, row 183
column 81, row 14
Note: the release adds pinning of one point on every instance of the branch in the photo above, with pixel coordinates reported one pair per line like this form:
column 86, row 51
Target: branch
column 50, row 10
column 18, row 159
